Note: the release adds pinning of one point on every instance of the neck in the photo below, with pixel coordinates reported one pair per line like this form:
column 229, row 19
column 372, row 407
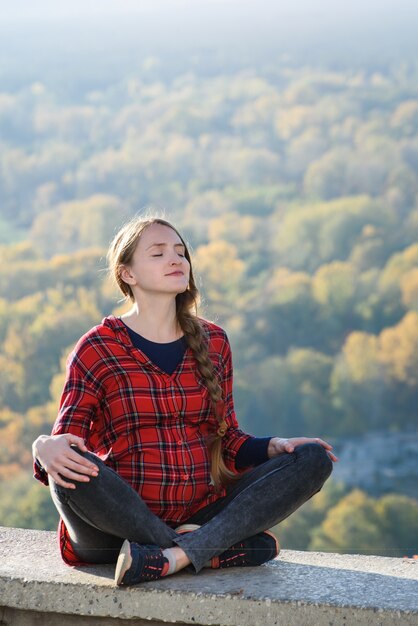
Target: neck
column 156, row 321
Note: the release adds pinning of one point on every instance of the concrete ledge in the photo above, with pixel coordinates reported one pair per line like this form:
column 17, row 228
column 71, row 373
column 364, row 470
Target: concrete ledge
column 300, row 588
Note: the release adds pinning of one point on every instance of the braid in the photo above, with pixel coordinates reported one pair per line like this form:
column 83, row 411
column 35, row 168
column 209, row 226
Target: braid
column 197, row 342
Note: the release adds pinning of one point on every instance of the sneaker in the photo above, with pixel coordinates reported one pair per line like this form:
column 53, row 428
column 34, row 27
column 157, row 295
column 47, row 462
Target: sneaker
column 139, row 563
column 186, row 528
column 250, row 552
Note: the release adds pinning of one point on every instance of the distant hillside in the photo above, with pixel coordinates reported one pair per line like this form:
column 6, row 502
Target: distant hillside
column 297, row 187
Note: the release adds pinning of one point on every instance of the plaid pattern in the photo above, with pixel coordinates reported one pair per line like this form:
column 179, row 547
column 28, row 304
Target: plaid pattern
column 149, row 426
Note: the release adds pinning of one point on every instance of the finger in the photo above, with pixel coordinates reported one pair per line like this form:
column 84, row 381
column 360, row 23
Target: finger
column 332, row 457
column 323, row 443
column 60, row 481
column 82, row 462
column 66, row 472
column 74, row 464
column 66, row 469
column 78, row 441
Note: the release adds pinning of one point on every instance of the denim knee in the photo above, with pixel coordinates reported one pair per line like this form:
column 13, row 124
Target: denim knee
column 317, row 457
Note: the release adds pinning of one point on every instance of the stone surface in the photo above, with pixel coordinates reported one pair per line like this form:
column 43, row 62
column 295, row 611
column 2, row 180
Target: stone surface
column 296, row 588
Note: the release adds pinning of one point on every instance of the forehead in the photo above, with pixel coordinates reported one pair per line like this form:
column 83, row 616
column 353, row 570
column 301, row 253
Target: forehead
column 158, row 233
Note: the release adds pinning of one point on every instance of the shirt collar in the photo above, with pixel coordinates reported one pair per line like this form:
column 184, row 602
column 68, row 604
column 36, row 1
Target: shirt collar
column 118, row 327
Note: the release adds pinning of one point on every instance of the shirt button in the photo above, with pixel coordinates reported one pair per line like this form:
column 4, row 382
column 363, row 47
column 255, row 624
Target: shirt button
column 180, row 442
column 185, row 476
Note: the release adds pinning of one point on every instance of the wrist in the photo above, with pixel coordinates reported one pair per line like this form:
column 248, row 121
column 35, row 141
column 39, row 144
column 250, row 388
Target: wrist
column 270, row 448
column 37, row 445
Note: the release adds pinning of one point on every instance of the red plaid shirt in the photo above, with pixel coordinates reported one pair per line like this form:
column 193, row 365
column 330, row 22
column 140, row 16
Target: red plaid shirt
column 149, row 426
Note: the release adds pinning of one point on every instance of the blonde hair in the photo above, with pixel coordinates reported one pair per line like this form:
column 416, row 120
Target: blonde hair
column 120, row 253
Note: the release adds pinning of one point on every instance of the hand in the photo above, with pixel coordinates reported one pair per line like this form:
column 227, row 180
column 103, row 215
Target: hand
column 60, row 460
column 278, row 445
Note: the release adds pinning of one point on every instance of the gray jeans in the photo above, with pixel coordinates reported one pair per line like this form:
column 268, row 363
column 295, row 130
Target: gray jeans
column 101, row 513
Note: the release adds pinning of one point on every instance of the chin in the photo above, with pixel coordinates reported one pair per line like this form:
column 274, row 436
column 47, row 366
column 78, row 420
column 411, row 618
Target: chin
column 181, row 289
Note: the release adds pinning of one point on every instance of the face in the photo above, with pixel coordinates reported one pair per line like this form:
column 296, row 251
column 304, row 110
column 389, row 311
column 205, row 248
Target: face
column 158, row 264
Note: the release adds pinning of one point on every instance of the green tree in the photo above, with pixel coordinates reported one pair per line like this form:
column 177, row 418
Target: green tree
column 296, row 531
column 359, row 524
column 26, row 504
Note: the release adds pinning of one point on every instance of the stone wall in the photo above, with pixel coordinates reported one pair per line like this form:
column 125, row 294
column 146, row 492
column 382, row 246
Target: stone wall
column 300, row 588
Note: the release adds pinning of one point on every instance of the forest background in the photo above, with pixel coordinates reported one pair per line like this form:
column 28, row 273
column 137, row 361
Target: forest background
column 284, row 144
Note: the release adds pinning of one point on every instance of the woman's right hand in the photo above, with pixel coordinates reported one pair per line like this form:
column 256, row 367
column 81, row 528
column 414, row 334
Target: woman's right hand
column 61, row 461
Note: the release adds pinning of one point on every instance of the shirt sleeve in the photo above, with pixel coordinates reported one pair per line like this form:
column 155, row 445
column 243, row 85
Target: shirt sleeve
column 234, row 437
column 79, row 403
column 77, row 409
column 39, row 473
column 253, row 452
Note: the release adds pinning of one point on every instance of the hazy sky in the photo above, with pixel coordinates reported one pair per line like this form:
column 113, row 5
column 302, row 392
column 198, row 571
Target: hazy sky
column 380, row 25
column 39, row 9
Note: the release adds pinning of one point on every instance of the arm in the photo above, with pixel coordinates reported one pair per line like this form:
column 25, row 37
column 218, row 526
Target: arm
column 55, row 454
column 253, row 452
column 234, row 438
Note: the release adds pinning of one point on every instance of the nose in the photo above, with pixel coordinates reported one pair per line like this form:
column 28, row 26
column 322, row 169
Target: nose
column 175, row 259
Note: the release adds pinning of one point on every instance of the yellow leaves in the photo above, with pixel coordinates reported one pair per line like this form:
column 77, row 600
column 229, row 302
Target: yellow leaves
column 399, row 350
column 234, row 227
column 361, row 357
column 351, row 526
column 286, row 286
column 397, row 267
column 409, row 289
column 90, row 222
column 390, row 356
column 220, row 264
column 361, row 524
column 291, row 121
column 334, row 284
column 311, row 235
column 405, row 117
column 258, row 112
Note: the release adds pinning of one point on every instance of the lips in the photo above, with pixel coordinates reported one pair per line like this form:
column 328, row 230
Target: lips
column 178, row 273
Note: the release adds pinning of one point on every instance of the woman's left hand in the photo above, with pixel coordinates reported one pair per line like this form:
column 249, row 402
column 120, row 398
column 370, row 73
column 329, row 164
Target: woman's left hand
column 278, row 445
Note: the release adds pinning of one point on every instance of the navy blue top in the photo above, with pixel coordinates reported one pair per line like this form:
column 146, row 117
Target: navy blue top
column 167, row 356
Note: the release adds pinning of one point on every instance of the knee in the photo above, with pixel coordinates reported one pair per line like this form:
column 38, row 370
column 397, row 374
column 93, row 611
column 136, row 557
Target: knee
column 317, row 458
column 87, row 455
column 64, row 493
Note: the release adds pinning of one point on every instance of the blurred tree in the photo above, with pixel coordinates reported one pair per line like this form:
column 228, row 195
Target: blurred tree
column 26, row 504
column 358, row 387
column 222, row 271
column 311, row 235
column 42, row 341
column 404, row 120
column 288, row 396
column 399, row 516
column 409, row 289
column 327, row 176
column 79, row 224
column 353, row 526
column 398, row 351
column 359, row 524
column 295, row 532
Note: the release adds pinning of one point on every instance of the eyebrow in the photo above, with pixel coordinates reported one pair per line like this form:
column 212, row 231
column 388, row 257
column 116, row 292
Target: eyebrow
column 176, row 245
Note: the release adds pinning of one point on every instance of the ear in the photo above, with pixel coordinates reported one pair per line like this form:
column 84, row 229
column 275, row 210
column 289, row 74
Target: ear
column 126, row 275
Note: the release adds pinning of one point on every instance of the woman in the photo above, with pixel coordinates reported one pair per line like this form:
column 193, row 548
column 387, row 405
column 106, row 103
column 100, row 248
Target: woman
column 146, row 464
